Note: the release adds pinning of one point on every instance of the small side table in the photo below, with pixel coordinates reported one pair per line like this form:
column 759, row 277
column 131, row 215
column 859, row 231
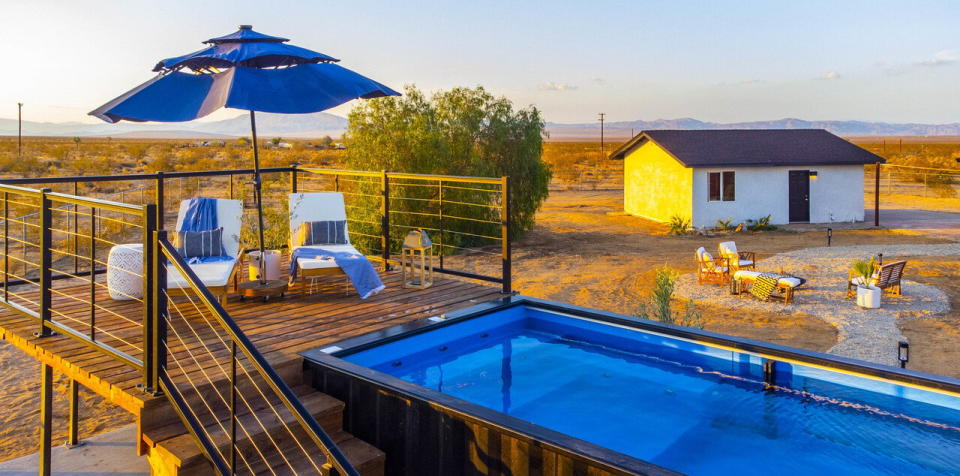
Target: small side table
column 265, row 290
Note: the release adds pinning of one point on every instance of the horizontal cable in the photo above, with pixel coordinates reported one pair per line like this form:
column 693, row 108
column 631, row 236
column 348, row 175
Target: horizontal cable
column 98, row 306
column 99, row 330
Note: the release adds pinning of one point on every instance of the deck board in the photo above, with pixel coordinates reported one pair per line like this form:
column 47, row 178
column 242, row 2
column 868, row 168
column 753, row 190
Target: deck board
column 279, row 328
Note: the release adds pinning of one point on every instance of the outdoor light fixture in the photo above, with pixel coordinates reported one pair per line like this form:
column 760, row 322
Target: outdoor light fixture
column 812, row 174
column 880, row 259
column 829, row 235
column 903, row 353
column 957, row 159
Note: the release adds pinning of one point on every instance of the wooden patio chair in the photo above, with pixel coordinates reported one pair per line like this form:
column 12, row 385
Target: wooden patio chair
column 737, row 259
column 710, row 269
column 886, row 277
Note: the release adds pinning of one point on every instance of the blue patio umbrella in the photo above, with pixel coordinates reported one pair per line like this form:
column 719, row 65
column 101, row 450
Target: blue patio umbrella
column 243, row 70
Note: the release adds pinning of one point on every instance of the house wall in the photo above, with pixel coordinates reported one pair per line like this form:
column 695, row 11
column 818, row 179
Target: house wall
column 836, row 195
column 656, row 185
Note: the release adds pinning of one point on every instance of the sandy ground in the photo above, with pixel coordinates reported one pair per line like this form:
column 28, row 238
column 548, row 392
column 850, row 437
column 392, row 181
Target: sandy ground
column 583, row 251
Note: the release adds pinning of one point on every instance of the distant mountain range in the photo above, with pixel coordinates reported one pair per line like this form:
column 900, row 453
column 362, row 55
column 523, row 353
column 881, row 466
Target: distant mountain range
column 842, row 128
column 321, row 124
column 288, row 125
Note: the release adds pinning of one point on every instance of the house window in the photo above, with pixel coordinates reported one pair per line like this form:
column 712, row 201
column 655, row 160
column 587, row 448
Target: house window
column 722, row 186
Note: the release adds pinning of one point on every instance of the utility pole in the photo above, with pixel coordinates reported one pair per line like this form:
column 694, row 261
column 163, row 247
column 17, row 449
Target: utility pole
column 601, row 132
column 19, row 130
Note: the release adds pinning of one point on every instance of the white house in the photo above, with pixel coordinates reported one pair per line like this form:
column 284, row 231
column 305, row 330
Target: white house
column 793, row 175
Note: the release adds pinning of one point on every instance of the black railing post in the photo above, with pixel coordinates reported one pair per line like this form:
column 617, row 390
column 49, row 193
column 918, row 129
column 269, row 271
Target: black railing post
column 46, row 418
column 440, row 227
column 149, row 287
column 876, row 195
column 158, row 200
column 293, row 178
column 76, row 231
column 46, row 296
column 6, row 246
column 385, row 218
column 233, row 407
column 93, row 274
column 158, row 321
column 507, row 258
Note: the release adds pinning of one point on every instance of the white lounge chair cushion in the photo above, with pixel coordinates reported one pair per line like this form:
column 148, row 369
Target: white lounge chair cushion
column 212, row 274
column 316, row 206
column 318, row 263
column 705, row 257
column 229, row 217
column 752, row 276
column 745, row 262
column 728, row 249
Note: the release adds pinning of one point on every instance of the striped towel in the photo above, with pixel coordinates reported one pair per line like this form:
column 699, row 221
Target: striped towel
column 764, row 285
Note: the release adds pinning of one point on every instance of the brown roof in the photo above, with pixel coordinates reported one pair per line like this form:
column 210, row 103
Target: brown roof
column 753, row 147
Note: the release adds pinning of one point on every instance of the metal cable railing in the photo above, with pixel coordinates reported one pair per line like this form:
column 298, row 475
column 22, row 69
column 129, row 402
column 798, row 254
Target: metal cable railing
column 241, row 413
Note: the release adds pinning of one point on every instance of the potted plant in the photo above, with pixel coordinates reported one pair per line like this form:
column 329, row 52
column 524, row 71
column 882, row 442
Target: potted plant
column 861, row 271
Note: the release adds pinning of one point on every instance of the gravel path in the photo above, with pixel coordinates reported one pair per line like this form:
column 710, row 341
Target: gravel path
column 870, row 335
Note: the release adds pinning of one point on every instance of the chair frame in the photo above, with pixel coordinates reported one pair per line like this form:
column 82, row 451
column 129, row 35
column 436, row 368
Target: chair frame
column 741, row 255
column 712, row 271
column 887, row 278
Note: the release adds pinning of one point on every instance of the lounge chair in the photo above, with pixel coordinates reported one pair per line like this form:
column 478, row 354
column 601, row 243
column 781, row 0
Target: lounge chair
column 737, row 259
column 328, row 207
column 886, row 277
column 785, row 285
column 124, row 279
column 710, row 269
column 215, row 275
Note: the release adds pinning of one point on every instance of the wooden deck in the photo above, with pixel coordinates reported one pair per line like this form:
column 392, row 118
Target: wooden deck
column 279, row 328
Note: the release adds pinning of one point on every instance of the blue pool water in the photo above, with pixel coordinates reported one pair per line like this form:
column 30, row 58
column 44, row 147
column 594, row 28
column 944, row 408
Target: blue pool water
column 678, row 404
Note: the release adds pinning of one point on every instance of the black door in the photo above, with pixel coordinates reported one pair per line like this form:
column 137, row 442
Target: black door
column 799, row 196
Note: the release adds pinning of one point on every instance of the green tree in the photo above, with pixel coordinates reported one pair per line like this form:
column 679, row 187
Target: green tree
column 462, row 131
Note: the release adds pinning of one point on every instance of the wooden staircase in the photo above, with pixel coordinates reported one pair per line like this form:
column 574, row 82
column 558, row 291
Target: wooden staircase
column 272, row 444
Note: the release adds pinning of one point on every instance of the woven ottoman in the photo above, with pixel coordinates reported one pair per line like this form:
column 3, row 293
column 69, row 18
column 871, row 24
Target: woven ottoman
column 125, row 272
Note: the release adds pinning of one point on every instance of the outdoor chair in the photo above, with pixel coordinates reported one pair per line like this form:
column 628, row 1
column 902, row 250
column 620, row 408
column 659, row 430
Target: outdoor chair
column 124, row 275
column 737, row 259
column 786, row 286
column 311, row 207
column 710, row 269
column 886, row 277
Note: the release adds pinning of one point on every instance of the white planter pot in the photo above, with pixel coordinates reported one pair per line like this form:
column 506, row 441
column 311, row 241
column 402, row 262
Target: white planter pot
column 272, row 264
column 868, row 297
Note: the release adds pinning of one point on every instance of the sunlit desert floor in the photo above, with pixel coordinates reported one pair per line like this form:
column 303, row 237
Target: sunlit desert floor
column 584, row 251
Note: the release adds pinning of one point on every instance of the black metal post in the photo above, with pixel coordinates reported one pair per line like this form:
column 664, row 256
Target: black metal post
column 507, row 255
column 440, row 227
column 46, row 261
column 93, row 274
column 293, row 178
column 46, row 418
column 158, row 200
column 76, row 230
column 876, row 196
column 19, row 130
column 258, row 193
column 385, row 219
column 158, row 333
column 73, row 433
column 149, row 288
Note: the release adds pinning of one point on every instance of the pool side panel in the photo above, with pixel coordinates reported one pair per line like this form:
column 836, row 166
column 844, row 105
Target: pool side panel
column 424, row 432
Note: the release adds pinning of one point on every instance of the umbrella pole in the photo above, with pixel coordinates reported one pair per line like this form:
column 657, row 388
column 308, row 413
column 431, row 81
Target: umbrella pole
column 258, row 194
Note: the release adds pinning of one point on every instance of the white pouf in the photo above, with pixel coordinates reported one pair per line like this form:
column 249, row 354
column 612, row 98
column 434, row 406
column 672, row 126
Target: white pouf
column 272, row 265
column 125, row 272
column 868, row 297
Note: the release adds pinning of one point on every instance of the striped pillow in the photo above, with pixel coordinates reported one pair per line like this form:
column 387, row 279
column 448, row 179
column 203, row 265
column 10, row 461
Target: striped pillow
column 192, row 244
column 332, row 232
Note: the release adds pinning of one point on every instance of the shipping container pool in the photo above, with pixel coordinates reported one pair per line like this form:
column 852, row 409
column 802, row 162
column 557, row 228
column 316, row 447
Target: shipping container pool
column 624, row 395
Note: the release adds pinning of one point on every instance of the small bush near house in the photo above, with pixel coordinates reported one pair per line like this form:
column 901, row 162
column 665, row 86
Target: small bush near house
column 678, row 225
column 761, row 224
column 725, row 225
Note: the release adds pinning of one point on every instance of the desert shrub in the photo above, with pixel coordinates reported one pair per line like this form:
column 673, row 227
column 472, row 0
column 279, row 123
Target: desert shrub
column 725, row 225
column 761, row 224
column 462, row 131
column 678, row 225
column 659, row 305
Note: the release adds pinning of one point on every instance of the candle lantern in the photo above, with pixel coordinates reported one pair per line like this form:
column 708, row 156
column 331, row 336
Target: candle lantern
column 416, row 260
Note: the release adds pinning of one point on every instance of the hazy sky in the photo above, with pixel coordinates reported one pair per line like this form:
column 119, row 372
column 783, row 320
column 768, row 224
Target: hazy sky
column 712, row 60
